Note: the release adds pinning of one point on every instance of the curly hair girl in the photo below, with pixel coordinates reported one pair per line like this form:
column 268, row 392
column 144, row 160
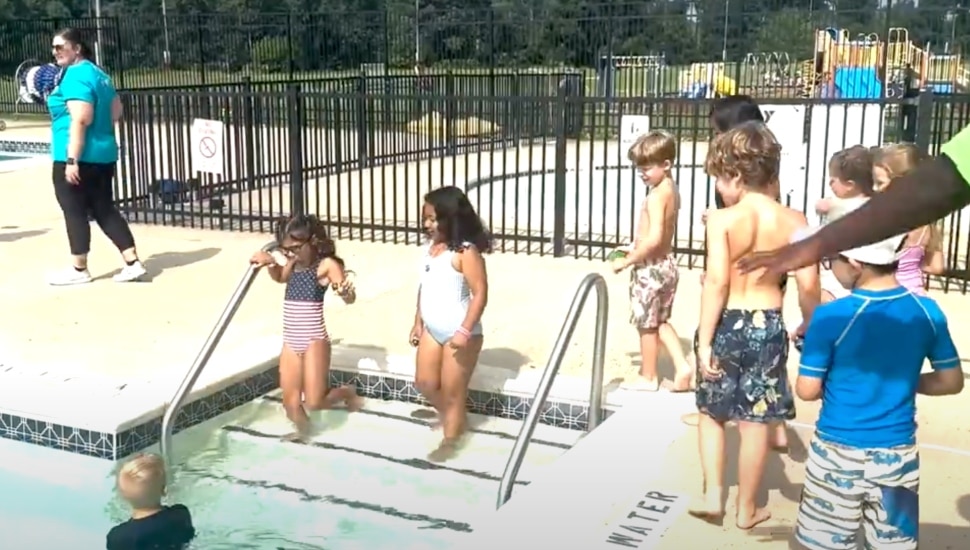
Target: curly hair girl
column 451, row 300
column 310, row 266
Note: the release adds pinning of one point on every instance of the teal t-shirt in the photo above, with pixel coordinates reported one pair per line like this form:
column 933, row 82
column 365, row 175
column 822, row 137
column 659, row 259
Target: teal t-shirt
column 85, row 82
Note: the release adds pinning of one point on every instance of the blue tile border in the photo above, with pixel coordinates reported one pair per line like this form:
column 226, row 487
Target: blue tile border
column 24, row 146
column 115, row 446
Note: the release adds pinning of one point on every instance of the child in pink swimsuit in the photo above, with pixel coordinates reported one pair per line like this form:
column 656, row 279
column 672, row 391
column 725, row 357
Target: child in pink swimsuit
column 922, row 252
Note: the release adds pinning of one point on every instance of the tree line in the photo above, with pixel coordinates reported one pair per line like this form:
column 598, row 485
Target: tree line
column 300, row 36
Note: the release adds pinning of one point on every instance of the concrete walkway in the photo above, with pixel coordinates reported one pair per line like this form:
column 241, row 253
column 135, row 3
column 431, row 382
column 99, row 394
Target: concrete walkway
column 93, row 343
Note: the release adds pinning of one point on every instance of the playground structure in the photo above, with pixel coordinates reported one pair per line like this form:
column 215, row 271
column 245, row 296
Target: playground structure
column 641, row 75
column 869, row 68
column 705, row 81
column 770, row 74
column 943, row 73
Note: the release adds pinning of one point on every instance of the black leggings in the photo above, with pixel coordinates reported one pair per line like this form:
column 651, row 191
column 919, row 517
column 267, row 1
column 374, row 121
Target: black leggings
column 91, row 197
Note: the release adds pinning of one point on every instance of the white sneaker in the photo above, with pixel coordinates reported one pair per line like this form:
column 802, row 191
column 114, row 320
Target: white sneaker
column 69, row 277
column 130, row 273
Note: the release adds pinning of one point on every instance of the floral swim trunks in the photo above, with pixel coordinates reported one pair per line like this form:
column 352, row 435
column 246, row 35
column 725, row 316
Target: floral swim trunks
column 652, row 289
column 751, row 348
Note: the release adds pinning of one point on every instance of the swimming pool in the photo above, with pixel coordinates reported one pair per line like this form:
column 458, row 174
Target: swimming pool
column 9, row 156
column 362, row 483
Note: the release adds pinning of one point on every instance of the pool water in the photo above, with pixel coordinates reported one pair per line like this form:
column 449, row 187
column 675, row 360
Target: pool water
column 363, row 482
column 12, row 156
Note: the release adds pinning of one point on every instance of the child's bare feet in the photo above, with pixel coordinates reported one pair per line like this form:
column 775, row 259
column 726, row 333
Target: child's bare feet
column 301, row 433
column 749, row 521
column 446, row 450
column 639, row 383
column 682, row 383
column 709, row 510
column 352, row 401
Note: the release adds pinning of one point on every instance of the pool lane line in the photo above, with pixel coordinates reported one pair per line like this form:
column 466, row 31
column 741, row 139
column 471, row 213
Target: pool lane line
column 418, row 463
column 419, row 422
column 435, row 523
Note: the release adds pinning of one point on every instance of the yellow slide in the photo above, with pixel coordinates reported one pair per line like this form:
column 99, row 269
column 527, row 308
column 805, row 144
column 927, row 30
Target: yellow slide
column 725, row 85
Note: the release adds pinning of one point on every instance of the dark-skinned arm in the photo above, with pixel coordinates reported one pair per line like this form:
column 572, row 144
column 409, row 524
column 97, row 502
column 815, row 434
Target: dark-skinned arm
column 932, row 190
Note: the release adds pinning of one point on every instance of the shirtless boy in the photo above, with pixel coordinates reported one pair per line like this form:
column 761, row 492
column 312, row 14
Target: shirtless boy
column 742, row 343
column 653, row 277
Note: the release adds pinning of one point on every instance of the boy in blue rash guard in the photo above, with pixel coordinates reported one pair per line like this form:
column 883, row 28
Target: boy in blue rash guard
column 863, row 356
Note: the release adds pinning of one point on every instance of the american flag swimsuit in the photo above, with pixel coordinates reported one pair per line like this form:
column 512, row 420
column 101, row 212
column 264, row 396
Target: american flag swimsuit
column 303, row 310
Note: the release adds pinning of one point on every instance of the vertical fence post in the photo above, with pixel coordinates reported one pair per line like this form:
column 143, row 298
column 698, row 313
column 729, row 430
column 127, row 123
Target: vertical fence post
column 451, row 108
column 119, row 71
column 924, row 119
column 363, row 128
column 249, row 133
column 294, row 118
column 291, row 63
column 559, row 192
column 199, row 22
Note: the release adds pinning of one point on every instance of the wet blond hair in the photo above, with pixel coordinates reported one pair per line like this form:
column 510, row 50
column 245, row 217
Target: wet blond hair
column 141, row 481
column 652, row 148
column 749, row 151
column 897, row 159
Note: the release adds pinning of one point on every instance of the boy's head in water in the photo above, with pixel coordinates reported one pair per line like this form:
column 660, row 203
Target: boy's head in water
column 448, row 217
column 141, row 482
column 850, row 172
column 654, row 154
column 305, row 239
column 871, row 264
column 745, row 159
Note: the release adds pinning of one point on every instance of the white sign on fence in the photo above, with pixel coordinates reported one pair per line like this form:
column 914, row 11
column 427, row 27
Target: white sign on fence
column 208, row 146
column 631, row 128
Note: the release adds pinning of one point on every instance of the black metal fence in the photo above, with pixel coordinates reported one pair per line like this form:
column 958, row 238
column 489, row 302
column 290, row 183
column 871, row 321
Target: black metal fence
column 628, row 48
column 545, row 166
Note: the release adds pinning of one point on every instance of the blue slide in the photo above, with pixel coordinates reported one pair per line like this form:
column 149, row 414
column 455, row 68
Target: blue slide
column 857, row 83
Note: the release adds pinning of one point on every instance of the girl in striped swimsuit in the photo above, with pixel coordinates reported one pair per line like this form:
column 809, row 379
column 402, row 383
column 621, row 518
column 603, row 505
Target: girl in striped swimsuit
column 308, row 265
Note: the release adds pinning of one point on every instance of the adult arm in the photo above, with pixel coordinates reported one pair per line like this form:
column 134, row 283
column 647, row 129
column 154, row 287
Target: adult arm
column 935, row 188
column 117, row 109
column 79, row 95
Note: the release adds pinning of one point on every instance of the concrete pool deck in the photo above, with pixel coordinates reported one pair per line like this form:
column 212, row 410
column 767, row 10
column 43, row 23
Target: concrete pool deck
column 103, row 356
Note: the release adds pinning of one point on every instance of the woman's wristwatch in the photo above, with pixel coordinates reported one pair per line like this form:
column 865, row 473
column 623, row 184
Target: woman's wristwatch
column 71, row 161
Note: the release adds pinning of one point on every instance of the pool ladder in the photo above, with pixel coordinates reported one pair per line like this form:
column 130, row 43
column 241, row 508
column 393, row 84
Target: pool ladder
column 191, row 377
column 594, row 416
column 590, row 282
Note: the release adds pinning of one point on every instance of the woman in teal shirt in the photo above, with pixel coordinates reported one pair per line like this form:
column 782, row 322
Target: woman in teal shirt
column 84, row 108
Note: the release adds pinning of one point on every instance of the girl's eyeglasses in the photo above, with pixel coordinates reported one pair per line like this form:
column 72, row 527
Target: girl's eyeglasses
column 292, row 249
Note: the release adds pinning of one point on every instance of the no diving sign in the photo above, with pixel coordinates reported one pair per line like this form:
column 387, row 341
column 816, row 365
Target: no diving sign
column 208, row 146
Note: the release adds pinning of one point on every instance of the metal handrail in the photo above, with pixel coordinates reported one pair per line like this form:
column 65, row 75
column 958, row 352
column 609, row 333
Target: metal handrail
column 175, row 405
column 591, row 281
